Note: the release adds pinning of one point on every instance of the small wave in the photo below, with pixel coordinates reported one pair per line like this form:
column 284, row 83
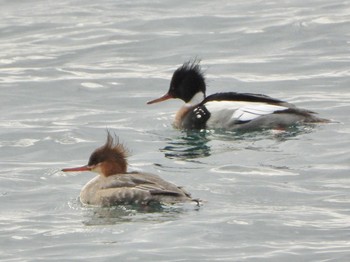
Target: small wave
column 253, row 171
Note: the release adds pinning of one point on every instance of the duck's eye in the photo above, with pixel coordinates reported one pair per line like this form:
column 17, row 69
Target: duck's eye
column 94, row 160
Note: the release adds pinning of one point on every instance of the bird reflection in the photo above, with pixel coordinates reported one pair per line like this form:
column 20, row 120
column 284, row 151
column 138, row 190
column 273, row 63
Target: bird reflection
column 94, row 216
column 190, row 145
column 194, row 144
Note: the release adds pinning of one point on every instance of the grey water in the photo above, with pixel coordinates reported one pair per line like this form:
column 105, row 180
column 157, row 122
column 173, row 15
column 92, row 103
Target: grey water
column 69, row 70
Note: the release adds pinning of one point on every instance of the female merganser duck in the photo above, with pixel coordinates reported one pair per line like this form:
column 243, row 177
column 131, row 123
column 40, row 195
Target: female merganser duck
column 231, row 110
column 114, row 185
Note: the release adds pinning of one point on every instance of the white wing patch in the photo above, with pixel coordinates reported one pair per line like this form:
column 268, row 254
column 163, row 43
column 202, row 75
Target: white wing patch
column 240, row 111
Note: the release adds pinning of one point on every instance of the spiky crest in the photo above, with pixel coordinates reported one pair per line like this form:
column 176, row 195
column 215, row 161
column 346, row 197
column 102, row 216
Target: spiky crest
column 111, row 152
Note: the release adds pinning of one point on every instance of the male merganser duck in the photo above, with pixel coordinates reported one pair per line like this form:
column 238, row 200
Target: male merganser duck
column 114, row 185
column 231, row 110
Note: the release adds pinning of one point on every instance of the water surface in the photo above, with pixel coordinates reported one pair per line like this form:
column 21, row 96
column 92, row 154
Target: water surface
column 70, row 70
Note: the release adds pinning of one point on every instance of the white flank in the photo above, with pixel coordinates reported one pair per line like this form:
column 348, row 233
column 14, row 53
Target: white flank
column 229, row 111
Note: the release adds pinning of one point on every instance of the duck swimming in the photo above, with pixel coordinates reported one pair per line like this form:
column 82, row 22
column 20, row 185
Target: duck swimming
column 229, row 110
column 114, row 185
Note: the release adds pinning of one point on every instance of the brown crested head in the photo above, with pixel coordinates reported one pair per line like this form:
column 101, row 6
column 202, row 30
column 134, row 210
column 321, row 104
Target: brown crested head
column 109, row 159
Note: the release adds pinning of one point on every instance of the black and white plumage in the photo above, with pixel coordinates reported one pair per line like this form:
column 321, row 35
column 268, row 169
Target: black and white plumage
column 230, row 110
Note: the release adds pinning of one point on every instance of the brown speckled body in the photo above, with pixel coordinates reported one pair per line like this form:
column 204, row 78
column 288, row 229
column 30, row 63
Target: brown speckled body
column 115, row 186
column 131, row 188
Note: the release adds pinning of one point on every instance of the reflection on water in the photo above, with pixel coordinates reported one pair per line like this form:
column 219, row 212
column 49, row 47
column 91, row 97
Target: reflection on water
column 194, row 144
column 133, row 213
column 190, row 145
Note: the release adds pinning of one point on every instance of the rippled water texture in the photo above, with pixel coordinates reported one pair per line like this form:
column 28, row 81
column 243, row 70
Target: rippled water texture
column 71, row 69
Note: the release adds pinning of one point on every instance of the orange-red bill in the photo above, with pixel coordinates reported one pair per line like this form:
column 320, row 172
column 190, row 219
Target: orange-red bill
column 77, row 169
column 160, row 99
